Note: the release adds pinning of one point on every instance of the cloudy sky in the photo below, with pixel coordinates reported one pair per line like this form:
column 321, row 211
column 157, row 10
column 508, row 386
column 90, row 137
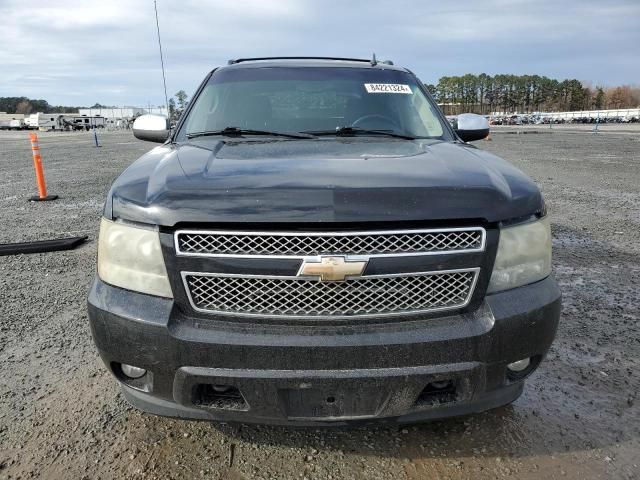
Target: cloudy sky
column 82, row 52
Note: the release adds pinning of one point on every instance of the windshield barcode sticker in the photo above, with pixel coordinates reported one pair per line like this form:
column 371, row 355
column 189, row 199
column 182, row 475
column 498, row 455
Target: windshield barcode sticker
column 387, row 88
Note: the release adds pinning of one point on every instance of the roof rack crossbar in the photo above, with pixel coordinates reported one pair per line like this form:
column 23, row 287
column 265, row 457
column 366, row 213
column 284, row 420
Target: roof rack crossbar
column 239, row 60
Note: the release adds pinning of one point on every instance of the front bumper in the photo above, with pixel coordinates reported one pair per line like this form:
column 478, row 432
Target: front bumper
column 319, row 375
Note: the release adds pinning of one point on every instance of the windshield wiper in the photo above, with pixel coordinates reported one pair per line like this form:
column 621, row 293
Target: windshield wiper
column 360, row 131
column 235, row 131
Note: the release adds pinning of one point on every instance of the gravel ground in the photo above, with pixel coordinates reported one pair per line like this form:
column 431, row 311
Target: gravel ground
column 61, row 414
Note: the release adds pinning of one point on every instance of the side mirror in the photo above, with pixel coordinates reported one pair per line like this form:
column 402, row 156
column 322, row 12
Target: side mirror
column 152, row 128
column 471, row 127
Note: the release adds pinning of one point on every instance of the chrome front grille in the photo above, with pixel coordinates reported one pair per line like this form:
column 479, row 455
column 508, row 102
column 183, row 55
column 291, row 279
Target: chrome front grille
column 293, row 244
column 299, row 297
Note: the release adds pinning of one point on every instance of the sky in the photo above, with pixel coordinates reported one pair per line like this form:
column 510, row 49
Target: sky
column 82, row 52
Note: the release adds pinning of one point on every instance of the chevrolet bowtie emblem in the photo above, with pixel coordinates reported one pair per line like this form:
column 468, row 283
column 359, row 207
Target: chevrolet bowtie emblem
column 332, row 269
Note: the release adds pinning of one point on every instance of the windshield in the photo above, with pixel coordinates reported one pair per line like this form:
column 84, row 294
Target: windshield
column 314, row 100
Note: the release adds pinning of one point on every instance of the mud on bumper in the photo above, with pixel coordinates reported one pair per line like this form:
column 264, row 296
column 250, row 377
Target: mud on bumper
column 402, row 371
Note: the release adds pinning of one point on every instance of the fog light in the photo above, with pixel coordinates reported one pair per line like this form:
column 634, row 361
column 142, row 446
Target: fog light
column 441, row 384
column 520, row 365
column 131, row 371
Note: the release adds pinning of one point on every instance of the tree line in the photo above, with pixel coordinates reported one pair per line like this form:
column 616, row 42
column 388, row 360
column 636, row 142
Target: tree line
column 467, row 93
column 26, row 106
column 528, row 93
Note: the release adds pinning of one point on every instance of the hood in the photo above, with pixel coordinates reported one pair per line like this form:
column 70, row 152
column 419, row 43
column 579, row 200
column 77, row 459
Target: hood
column 341, row 180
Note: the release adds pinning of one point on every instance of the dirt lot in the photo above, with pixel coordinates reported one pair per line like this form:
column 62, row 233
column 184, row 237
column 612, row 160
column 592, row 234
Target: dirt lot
column 61, row 414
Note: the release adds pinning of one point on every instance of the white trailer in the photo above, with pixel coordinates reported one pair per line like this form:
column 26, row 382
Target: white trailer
column 12, row 121
column 12, row 124
column 44, row 121
column 65, row 121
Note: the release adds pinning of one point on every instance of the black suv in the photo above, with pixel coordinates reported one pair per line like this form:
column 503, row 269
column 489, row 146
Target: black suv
column 315, row 244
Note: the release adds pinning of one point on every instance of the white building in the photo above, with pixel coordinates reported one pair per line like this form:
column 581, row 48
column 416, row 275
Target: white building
column 122, row 112
column 11, row 116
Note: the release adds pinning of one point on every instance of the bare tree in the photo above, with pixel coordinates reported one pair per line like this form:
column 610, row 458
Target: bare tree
column 24, row 107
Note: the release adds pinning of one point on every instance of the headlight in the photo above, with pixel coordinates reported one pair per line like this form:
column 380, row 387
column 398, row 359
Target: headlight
column 524, row 256
column 130, row 257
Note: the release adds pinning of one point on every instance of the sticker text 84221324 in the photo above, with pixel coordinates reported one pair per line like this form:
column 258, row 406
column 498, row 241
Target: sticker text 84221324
column 388, row 88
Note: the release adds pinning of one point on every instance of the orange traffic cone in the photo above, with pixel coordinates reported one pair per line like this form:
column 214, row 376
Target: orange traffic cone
column 37, row 164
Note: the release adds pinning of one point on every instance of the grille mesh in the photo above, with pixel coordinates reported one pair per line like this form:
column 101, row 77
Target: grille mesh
column 212, row 243
column 309, row 298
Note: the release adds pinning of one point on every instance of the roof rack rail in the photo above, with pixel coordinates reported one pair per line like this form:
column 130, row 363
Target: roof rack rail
column 239, row 60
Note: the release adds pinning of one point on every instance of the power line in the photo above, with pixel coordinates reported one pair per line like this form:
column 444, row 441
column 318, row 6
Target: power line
column 164, row 80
